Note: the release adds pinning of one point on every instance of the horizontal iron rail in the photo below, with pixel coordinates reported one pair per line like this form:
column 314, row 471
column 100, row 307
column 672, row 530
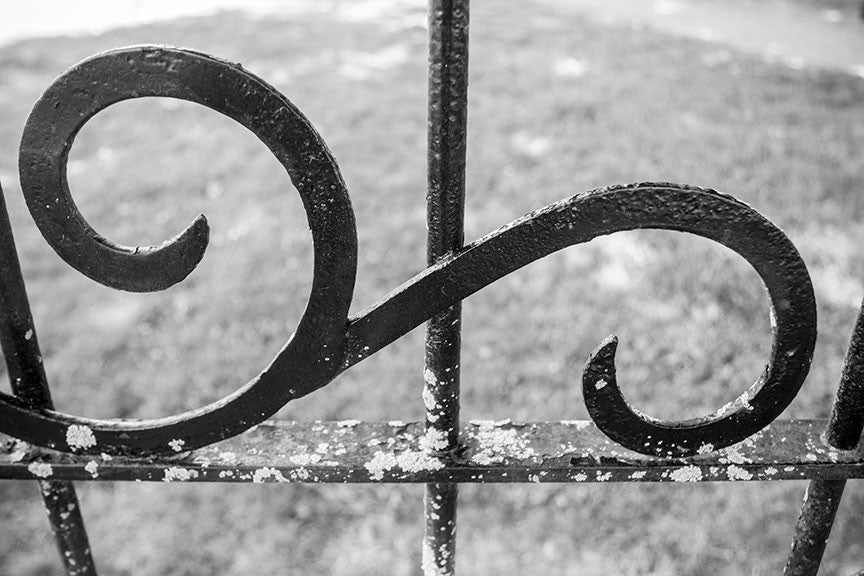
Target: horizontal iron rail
column 352, row 451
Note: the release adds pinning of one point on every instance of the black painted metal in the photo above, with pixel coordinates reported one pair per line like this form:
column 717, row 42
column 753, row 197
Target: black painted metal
column 445, row 207
column 847, row 416
column 30, row 386
column 821, row 500
column 844, row 433
column 490, row 452
column 328, row 342
column 311, row 358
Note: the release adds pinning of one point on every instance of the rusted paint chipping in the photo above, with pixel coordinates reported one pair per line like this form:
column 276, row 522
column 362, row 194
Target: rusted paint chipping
column 378, row 452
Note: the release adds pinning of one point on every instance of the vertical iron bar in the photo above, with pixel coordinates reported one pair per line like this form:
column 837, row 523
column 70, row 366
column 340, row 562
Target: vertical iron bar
column 445, row 204
column 27, row 376
column 844, row 432
column 821, row 500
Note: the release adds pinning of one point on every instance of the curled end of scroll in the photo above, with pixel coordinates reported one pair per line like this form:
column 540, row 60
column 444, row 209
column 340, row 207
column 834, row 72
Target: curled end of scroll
column 614, row 416
column 150, row 268
column 603, row 397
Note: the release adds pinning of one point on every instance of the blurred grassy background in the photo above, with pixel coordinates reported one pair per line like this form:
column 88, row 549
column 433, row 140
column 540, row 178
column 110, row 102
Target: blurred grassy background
column 557, row 105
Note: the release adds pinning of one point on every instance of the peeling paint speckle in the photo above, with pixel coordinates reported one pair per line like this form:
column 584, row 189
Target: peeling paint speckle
column 177, row 444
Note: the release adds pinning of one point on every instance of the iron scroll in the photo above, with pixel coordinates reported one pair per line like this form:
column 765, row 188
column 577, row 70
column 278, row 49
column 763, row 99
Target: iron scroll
column 327, row 341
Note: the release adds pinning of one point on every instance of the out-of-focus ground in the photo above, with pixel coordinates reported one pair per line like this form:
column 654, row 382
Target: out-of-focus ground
column 560, row 102
column 828, row 34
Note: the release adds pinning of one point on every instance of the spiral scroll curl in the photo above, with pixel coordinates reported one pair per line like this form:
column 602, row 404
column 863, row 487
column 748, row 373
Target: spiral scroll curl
column 326, row 341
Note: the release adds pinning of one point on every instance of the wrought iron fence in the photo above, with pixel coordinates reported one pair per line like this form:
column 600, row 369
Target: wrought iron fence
column 743, row 441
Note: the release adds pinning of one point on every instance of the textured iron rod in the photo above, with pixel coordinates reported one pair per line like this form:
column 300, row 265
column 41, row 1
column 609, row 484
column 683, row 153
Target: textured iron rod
column 27, row 377
column 821, row 500
column 445, row 204
column 847, row 418
column 843, row 432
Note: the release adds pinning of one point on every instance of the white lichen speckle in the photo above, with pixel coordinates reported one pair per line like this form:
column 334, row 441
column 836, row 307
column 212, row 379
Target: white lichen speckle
column 603, row 476
column 705, row 449
column 380, row 463
column 177, row 444
column 40, row 469
column 687, row 474
column 433, row 440
column 429, row 377
column 600, row 384
column 93, row 468
column 770, row 471
column 178, row 474
column 428, row 564
column 305, row 459
column 732, row 455
column 495, row 444
column 430, row 404
column 418, row 461
column 266, row 473
column 738, row 473
column 580, row 477
column 29, row 334
column 79, row 437
column 638, row 475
